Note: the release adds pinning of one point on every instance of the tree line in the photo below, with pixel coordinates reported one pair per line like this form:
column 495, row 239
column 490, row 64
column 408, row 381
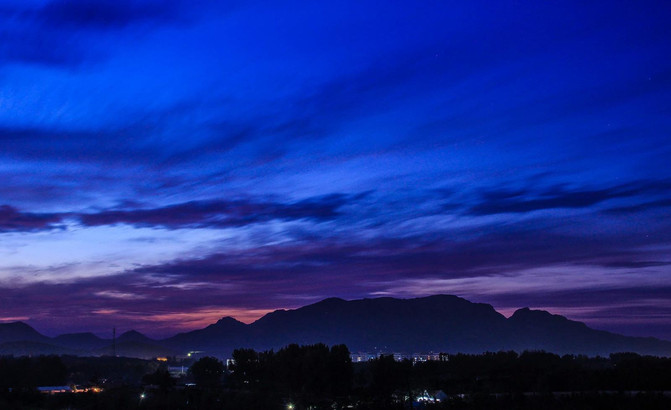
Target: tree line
column 315, row 375
column 320, row 376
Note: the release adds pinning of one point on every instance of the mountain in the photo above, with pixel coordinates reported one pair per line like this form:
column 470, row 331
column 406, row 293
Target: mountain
column 27, row 348
column 20, row 332
column 136, row 349
column 20, row 339
column 440, row 323
column 134, row 344
column 541, row 330
column 225, row 333
column 134, row 336
column 425, row 324
column 80, row 341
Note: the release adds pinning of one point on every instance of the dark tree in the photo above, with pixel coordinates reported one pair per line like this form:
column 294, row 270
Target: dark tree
column 245, row 368
column 389, row 376
column 341, row 372
column 207, row 371
column 32, row 372
column 160, row 378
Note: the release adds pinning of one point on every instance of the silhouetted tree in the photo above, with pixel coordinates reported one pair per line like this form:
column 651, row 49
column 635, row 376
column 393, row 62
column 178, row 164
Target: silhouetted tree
column 160, row 378
column 207, row 371
column 245, row 368
column 24, row 372
column 340, row 369
column 389, row 376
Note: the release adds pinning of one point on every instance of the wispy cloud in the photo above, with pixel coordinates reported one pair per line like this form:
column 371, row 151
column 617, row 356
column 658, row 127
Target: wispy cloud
column 13, row 220
column 223, row 213
column 500, row 201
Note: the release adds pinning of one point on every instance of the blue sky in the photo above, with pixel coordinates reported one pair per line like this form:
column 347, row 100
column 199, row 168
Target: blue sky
column 167, row 163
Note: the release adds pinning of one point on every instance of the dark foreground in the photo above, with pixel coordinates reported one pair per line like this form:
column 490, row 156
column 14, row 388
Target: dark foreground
column 321, row 377
column 128, row 398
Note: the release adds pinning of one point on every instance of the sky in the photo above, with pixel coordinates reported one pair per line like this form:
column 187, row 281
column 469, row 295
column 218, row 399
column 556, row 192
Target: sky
column 164, row 164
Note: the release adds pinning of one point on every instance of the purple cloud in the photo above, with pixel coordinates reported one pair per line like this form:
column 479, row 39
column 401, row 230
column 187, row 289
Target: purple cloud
column 223, row 213
column 499, row 201
column 13, row 220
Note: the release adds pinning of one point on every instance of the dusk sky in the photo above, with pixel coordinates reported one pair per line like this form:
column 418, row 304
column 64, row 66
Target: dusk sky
column 167, row 163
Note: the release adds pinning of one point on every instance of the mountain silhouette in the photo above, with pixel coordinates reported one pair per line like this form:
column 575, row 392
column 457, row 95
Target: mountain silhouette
column 20, row 332
column 134, row 336
column 541, row 330
column 440, row 323
column 28, row 348
column 425, row 324
column 80, row 341
column 226, row 332
column 138, row 349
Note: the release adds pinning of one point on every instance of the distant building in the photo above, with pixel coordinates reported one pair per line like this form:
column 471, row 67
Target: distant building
column 431, row 396
column 427, row 357
column 54, row 389
column 359, row 357
column 68, row 389
column 362, row 357
column 178, row 371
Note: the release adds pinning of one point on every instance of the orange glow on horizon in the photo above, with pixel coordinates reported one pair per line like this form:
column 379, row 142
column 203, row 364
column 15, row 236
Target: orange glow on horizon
column 166, row 323
column 207, row 316
column 14, row 319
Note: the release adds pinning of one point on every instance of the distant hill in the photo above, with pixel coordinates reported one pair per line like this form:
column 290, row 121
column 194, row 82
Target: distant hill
column 133, row 336
column 226, row 332
column 541, row 330
column 80, row 341
column 440, row 323
column 19, row 339
column 26, row 348
column 427, row 324
column 20, row 332
column 140, row 350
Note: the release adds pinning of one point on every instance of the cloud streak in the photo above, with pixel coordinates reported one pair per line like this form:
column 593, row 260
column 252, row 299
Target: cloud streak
column 524, row 200
column 223, row 213
column 13, row 220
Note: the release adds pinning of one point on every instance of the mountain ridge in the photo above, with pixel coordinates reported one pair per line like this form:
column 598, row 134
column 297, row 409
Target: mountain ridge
column 438, row 323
